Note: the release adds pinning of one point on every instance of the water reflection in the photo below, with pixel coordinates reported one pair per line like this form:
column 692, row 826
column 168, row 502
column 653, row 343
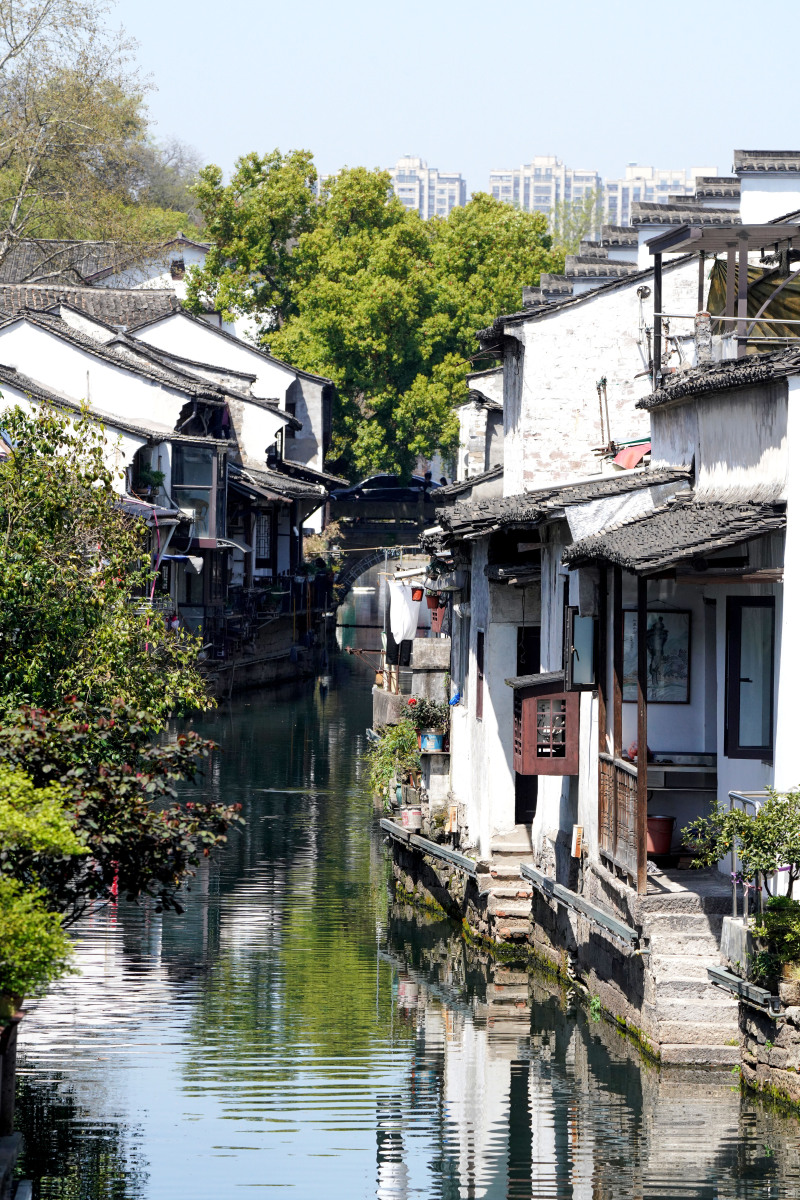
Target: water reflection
column 297, row 1030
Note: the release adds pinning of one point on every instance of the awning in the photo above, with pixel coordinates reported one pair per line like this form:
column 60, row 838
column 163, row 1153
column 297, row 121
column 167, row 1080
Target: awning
column 229, row 544
column 677, row 532
column 631, row 456
column 194, row 560
column 718, row 239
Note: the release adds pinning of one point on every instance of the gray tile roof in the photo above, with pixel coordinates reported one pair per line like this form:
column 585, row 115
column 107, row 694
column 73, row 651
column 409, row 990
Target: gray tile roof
column 721, row 377
column 646, row 213
column 284, row 485
column 577, row 266
column 464, row 485
column 747, row 161
column 619, row 235
column 717, row 186
column 479, row 517
column 116, row 307
column 683, row 530
column 50, row 260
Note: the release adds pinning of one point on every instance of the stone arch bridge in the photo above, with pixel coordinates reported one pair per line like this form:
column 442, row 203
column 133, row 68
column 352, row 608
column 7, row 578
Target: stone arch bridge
column 372, row 531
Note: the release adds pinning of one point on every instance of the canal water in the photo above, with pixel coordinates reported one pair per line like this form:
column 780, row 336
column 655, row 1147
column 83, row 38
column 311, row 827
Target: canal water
column 298, row 1033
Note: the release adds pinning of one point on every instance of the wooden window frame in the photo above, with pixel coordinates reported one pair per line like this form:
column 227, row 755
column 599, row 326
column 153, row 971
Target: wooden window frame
column 570, row 612
column 528, row 703
column 733, row 659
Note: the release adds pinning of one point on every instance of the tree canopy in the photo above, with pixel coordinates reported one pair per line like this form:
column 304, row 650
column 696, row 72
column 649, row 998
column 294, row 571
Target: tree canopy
column 352, row 286
column 76, row 156
column 73, row 579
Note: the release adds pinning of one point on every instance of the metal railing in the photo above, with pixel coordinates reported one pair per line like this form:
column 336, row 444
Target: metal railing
column 746, row 800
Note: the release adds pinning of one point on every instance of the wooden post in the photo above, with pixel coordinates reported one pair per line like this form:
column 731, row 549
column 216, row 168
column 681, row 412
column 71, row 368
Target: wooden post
column 741, row 308
column 730, row 287
column 701, row 281
column 641, row 731
column 602, row 659
column 657, row 307
column 617, row 634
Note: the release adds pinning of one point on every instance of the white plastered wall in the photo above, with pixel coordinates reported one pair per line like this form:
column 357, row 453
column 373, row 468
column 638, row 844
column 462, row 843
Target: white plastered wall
column 552, row 413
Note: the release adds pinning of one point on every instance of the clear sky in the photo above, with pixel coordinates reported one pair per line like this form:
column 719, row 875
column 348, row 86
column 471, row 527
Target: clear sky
column 470, row 86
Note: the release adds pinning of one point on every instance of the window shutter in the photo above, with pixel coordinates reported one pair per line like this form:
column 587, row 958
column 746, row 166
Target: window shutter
column 546, row 732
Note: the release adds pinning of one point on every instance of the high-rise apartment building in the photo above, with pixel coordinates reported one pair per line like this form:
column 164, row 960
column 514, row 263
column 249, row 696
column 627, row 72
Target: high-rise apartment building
column 651, row 184
column 542, row 183
column 426, row 190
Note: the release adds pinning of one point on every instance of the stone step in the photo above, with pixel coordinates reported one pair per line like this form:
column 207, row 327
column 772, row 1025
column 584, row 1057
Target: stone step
column 504, row 870
column 499, row 907
column 690, row 1052
column 510, row 892
column 697, row 1011
column 699, row 1033
column 681, row 966
column 687, row 990
column 510, row 930
column 682, row 922
column 692, row 945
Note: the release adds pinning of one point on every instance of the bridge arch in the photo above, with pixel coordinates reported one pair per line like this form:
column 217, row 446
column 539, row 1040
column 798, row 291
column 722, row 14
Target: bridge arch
column 359, row 566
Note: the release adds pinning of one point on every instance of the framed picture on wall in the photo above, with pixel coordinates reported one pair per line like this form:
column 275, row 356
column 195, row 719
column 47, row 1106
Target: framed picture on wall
column 669, row 643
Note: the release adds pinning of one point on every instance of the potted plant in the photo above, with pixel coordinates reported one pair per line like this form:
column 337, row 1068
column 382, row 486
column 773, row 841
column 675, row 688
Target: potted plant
column 147, row 481
column 431, row 719
column 431, row 598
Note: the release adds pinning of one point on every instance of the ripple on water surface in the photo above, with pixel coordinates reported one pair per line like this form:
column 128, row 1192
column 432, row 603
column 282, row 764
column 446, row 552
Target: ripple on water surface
column 296, row 1032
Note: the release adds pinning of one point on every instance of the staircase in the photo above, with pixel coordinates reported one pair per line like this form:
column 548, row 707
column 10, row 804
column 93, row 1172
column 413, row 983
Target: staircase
column 508, row 895
column 697, row 1022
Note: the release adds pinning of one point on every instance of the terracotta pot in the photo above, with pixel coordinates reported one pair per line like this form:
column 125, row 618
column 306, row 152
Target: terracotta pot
column 416, row 593
column 432, row 601
column 659, row 834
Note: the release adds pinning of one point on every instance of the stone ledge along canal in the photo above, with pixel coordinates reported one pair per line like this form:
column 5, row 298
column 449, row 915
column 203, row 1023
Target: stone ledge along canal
column 299, row 1033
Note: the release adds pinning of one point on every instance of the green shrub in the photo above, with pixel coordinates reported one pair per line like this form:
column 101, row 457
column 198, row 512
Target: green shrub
column 779, row 927
column 34, row 949
column 395, row 753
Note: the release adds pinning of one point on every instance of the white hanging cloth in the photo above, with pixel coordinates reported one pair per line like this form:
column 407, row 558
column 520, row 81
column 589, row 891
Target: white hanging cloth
column 403, row 611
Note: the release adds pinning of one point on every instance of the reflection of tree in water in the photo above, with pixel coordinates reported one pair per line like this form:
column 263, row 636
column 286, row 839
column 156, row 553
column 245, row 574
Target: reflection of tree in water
column 67, row 1157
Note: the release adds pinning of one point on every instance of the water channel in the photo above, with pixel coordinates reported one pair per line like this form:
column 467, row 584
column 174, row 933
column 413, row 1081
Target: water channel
column 298, row 1033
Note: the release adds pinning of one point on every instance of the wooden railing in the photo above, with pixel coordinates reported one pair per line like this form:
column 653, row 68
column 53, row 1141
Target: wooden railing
column 618, row 835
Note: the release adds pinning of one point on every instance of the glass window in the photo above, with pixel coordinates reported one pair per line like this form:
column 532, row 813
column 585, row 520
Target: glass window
column 579, row 641
column 750, row 676
column 196, row 502
column 192, row 465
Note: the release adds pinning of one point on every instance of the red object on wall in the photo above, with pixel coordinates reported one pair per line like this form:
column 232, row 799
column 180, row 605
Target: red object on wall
column 437, row 618
column 546, row 731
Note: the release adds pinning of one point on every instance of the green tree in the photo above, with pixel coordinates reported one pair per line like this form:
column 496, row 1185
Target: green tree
column 355, row 288
column 253, row 223
column 573, row 220
column 129, row 831
column 764, row 842
column 72, row 578
column 34, row 821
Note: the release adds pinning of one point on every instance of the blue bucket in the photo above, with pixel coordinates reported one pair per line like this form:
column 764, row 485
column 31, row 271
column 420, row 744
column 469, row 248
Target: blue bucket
column 431, row 741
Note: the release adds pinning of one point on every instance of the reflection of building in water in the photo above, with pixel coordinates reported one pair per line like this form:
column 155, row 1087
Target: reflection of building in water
column 392, row 1170
column 536, row 1100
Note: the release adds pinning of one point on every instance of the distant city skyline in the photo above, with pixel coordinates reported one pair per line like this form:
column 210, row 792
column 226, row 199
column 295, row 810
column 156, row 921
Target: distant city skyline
column 542, row 183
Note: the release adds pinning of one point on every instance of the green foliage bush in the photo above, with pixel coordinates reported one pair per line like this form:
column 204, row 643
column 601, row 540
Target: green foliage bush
column 764, row 843
column 34, row 949
column 395, row 753
column 779, row 927
column 122, row 789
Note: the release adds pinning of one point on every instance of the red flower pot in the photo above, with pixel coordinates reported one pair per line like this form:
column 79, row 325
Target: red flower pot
column 416, row 593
